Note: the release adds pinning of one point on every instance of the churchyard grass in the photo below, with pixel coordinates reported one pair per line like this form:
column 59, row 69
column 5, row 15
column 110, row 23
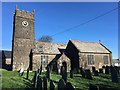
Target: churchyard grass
column 11, row 79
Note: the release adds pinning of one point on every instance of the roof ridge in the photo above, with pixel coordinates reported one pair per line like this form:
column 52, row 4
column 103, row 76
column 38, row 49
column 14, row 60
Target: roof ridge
column 85, row 41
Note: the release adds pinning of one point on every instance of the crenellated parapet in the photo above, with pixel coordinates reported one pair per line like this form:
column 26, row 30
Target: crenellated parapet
column 25, row 14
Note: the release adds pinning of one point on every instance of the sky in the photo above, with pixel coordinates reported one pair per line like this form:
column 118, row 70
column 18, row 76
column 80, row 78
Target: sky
column 54, row 17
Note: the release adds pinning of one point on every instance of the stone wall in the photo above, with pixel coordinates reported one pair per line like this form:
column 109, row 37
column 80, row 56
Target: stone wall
column 98, row 60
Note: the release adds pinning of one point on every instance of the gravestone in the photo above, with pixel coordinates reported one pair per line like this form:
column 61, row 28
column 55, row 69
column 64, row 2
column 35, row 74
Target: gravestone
column 69, row 86
column 61, row 70
column 116, row 69
column 114, row 74
column 61, row 84
column 34, row 78
column 103, row 66
column 101, row 70
column 76, row 70
column 64, row 74
column 88, row 74
column 107, row 70
column 48, row 73
column 82, row 72
column 45, row 83
column 27, row 75
column 39, row 83
column 96, row 73
column 52, row 86
column 71, row 73
column 93, row 69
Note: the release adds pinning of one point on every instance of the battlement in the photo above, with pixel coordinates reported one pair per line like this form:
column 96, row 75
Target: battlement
column 25, row 14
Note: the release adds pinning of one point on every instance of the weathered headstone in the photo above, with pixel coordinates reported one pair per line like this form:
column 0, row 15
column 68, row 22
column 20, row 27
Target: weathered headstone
column 82, row 72
column 93, row 69
column 69, row 86
column 88, row 74
column 114, row 74
column 52, row 86
column 48, row 73
column 96, row 73
column 71, row 73
column 101, row 70
column 64, row 74
column 107, row 70
column 39, row 83
column 45, row 83
column 61, row 84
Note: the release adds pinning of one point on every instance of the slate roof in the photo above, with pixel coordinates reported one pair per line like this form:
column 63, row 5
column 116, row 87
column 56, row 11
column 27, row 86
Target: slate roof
column 95, row 47
column 5, row 54
column 48, row 47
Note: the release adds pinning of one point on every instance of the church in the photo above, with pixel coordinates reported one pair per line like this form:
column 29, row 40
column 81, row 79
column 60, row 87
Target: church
column 28, row 53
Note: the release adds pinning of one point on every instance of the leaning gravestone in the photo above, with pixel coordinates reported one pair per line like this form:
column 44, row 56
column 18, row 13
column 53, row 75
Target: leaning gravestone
column 45, row 83
column 69, row 86
column 39, row 83
column 52, row 86
column 48, row 73
column 114, row 74
column 101, row 70
column 93, row 69
column 107, row 70
column 71, row 73
column 88, row 74
column 96, row 73
column 61, row 84
column 64, row 74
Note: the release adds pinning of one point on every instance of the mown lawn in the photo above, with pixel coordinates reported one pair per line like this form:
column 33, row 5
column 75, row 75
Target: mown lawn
column 11, row 79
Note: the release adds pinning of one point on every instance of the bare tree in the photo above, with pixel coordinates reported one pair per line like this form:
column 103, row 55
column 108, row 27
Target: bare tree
column 45, row 38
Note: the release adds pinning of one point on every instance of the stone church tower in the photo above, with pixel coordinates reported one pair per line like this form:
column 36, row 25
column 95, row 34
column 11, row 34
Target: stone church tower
column 23, row 39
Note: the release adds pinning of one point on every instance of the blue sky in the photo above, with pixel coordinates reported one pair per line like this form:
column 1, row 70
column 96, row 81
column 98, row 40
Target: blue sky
column 51, row 18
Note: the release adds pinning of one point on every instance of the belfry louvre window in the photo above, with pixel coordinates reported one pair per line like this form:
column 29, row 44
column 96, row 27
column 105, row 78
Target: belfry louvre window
column 44, row 60
column 90, row 59
column 105, row 58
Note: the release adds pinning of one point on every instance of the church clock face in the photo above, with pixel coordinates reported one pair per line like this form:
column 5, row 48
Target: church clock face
column 25, row 23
